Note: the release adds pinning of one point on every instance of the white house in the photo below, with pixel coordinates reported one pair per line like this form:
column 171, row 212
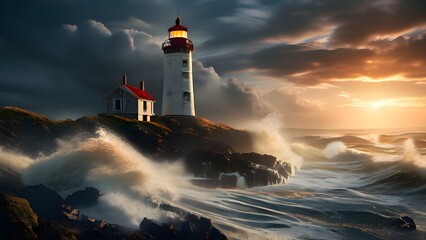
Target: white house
column 130, row 101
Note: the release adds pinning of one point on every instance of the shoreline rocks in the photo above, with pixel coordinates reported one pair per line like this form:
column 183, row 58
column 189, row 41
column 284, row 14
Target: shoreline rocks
column 192, row 227
column 207, row 149
column 84, row 198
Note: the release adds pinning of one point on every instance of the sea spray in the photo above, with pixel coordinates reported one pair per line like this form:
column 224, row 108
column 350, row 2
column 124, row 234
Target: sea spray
column 333, row 149
column 411, row 154
column 270, row 140
column 111, row 165
column 13, row 161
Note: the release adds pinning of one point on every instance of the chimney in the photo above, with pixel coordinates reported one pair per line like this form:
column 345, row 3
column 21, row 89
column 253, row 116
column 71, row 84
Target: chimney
column 142, row 85
column 124, row 79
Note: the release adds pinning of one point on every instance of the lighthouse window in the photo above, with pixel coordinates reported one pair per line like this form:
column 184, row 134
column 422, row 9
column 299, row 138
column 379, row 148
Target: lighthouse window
column 185, row 75
column 186, row 97
column 184, row 63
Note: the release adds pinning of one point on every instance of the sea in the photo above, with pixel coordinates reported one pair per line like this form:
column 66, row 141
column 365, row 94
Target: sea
column 352, row 184
column 346, row 184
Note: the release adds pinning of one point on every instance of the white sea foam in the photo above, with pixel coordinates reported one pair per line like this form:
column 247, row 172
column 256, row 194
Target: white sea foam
column 269, row 139
column 111, row 165
column 333, row 149
column 13, row 161
column 411, row 154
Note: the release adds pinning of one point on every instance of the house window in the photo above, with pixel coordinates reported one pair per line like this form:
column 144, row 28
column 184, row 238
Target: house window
column 118, row 104
column 144, row 106
column 186, row 97
column 185, row 75
column 144, row 118
column 185, row 63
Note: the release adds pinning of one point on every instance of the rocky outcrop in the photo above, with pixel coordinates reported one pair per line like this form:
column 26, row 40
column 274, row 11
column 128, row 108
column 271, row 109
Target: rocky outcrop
column 404, row 222
column 196, row 227
column 208, row 149
column 17, row 218
column 44, row 201
column 257, row 169
column 157, row 231
column 166, row 137
column 19, row 221
column 193, row 227
column 84, row 198
column 29, row 133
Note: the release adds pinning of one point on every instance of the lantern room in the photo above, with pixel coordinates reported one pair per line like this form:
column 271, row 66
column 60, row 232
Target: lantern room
column 178, row 31
column 178, row 39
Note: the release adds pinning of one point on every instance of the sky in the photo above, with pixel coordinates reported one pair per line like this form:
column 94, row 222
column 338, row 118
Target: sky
column 313, row 63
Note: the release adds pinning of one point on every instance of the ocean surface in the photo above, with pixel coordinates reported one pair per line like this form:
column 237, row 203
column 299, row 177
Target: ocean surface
column 347, row 184
column 350, row 185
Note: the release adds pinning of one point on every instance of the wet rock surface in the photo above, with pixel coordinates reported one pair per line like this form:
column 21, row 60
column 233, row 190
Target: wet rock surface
column 17, row 218
column 192, row 227
column 44, row 201
column 404, row 222
column 84, row 198
column 257, row 169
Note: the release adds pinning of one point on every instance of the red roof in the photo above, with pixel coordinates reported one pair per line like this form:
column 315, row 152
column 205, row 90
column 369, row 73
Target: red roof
column 178, row 26
column 140, row 93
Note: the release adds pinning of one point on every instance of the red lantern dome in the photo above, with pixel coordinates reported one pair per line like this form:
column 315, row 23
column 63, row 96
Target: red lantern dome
column 178, row 39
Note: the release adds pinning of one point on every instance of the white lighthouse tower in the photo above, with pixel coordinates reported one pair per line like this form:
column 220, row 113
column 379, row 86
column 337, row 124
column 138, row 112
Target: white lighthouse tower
column 178, row 91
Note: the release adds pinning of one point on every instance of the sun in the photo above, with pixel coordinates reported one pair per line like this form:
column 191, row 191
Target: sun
column 378, row 104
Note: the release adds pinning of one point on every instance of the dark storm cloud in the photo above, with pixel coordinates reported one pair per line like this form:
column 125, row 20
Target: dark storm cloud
column 378, row 18
column 308, row 64
column 300, row 64
column 60, row 57
column 59, row 61
column 291, row 103
column 83, row 62
column 346, row 28
column 304, row 65
column 227, row 100
column 353, row 21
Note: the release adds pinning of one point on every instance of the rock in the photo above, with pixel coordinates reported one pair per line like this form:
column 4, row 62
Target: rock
column 193, row 227
column 10, row 180
column 208, row 148
column 26, row 132
column 208, row 164
column 17, row 218
column 228, row 181
column 284, row 169
column 84, row 198
column 200, row 228
column 44, row 201
column 157, row 231
column 404, row 223
column 262, row 159
column 258, row 169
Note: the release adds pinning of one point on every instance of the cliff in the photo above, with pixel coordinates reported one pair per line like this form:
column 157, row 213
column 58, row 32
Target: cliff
column 208, row 149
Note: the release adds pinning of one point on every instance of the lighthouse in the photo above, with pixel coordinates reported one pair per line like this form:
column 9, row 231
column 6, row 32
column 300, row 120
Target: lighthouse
column 178, row 90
